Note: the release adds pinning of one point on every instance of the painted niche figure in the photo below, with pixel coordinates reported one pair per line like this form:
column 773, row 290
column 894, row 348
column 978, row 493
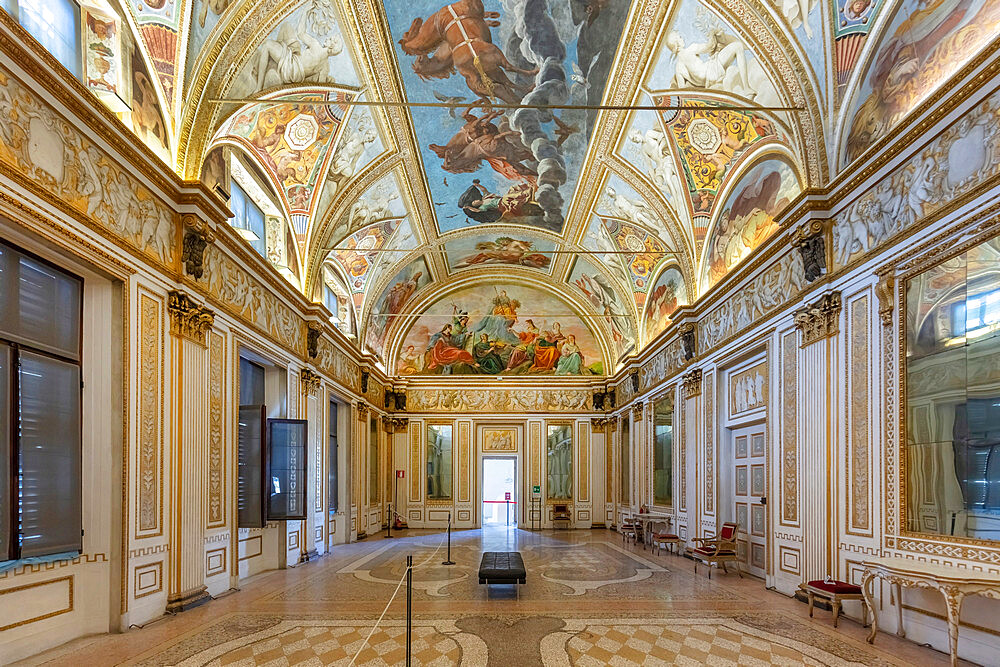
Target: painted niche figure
column 571, row 358
column 486, row 355
column 484, row 206
column 442, row 353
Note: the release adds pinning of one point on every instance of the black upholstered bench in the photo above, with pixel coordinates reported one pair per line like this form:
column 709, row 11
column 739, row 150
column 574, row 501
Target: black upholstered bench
column 502, row 567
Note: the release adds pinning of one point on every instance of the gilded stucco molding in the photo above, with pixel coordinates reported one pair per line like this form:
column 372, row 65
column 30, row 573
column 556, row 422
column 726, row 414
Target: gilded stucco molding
column 309, row 381
column 197, row 236
column 820, row 319
column 691, row 382
column 884, row 290
column 810, row 239
column 188, row 319
column 499, row 400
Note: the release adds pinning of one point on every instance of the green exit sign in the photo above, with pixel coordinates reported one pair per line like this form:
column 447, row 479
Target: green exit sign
column 536, row 489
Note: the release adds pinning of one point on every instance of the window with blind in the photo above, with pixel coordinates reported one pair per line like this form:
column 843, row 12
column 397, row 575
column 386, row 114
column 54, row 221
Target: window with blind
column 251, row 473
column 333, row 483
column 40, row 407
column 373, row 463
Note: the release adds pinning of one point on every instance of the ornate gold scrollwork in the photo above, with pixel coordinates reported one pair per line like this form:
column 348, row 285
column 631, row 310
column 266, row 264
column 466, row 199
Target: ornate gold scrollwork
column 197, row 236
column 310, row 380
column 819, row 319
column 362, row 411
column 188, row 319
column 884, row 292
column 810, row 239
column 692, row 383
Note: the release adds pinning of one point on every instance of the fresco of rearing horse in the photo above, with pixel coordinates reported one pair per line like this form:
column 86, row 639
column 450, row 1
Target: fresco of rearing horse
column 459, row 37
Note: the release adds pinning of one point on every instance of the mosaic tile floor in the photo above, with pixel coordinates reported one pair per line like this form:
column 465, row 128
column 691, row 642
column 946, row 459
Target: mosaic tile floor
column 589, row 600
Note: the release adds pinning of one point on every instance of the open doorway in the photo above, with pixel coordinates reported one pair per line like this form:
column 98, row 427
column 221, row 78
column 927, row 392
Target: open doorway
column 499, row 501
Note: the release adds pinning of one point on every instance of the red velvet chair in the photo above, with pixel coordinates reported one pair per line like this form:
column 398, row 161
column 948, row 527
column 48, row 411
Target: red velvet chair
column 662, row 537
column 718, row 550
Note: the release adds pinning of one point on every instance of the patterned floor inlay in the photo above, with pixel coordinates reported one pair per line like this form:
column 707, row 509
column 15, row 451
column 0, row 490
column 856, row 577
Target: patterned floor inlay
column 678, row 642
column 337, row 642
column 589, row 600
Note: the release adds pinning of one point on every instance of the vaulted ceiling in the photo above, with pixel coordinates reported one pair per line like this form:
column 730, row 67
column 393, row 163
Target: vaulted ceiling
column 600, row 220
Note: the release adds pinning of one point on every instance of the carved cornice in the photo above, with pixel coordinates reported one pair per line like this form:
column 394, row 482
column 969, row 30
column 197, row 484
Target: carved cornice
column 811, row 241
column 601, row 423
column 691, row 382
column 310, row 380
column 883, row 290
column 820, row 319
column 187, row 318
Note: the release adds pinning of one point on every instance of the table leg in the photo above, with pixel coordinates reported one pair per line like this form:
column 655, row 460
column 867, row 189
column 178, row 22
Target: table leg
column 953, row 601
column 835, row 603
column 899, row 611
column 812, row 599
column 867, row 590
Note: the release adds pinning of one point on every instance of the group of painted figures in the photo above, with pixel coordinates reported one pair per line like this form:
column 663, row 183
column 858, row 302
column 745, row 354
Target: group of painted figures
column 494, row 347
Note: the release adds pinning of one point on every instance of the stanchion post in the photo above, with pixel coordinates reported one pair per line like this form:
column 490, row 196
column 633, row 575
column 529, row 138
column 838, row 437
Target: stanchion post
column 388, row 527
column 449, row 561
column 409, row 609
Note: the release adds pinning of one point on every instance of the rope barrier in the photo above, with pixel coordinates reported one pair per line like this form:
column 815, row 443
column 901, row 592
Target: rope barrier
column 393, row 597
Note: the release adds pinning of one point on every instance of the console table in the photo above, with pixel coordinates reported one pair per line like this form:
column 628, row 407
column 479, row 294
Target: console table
column 954, row 583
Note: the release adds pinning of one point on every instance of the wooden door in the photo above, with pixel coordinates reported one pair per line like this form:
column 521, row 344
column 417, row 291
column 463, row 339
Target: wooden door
column 749, row 475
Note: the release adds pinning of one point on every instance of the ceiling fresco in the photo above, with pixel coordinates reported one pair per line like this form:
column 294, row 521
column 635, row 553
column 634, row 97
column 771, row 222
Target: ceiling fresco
column 488, row 165
column 925, row 43
column 387, row 134
column 291, row 140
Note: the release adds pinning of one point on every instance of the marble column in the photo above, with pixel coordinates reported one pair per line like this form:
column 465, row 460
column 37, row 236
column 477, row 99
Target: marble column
column 691, row 430
column 189, row 324
column 818, row 324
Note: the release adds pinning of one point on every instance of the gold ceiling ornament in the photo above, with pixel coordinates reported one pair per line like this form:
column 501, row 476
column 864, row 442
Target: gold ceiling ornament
column 310, row 380
column 691, row 382
column 188, row 319
column 819, row 319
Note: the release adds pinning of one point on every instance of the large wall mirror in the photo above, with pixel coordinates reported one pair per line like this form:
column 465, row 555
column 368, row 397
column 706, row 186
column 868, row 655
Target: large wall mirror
column 439, row 461
column 663, row 450
column 951, row 460
column 559, row 456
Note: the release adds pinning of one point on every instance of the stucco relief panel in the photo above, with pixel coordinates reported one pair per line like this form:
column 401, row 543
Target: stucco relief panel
column 216, row 440
column 859, row 436
column 149, row 464
column 789, row 429
column 53, row 156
